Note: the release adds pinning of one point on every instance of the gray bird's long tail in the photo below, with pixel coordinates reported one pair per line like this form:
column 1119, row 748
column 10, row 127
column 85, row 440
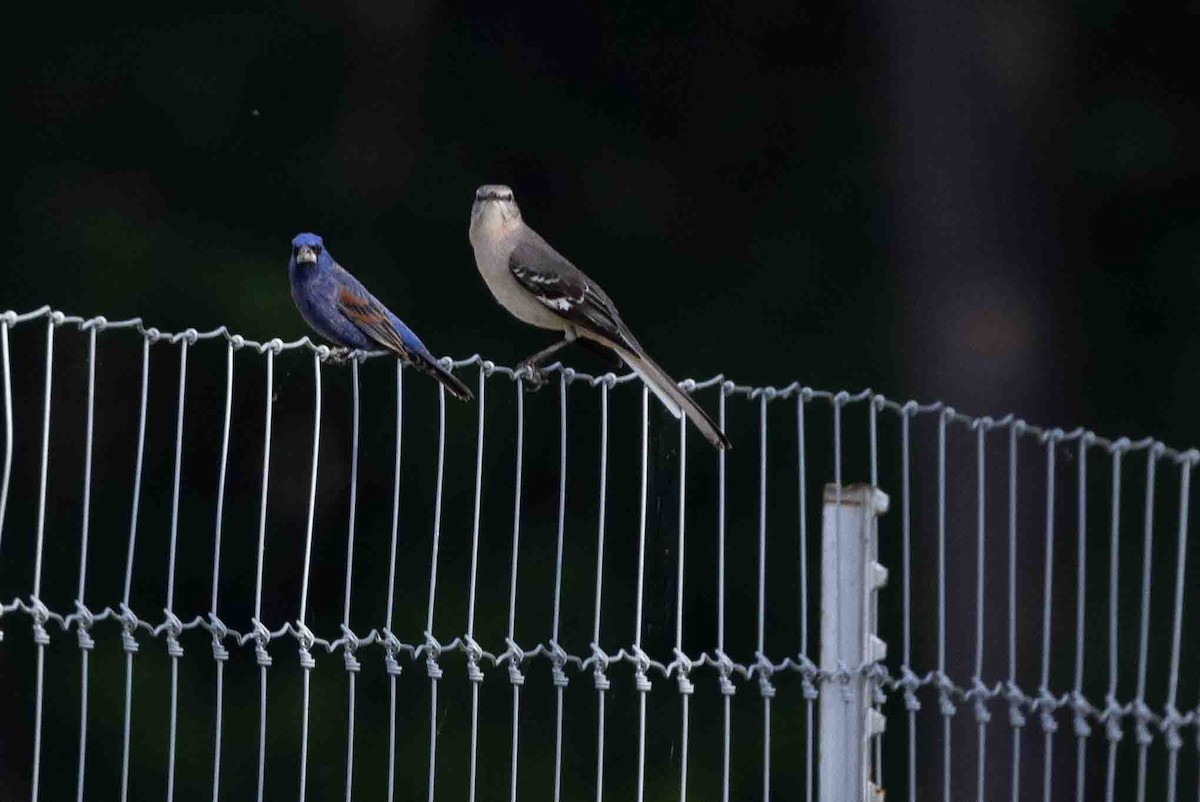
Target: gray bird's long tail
column 427, row 364
column 677, row 401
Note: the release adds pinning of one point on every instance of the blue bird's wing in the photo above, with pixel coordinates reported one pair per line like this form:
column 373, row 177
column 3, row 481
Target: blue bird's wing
column 375, row 321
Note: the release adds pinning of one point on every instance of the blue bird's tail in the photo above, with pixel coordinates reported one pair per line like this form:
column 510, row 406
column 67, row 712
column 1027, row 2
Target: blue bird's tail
column 425, row 363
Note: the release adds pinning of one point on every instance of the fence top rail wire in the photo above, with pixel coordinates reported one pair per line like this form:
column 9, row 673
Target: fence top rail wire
column 792, row 390
column 762, row 668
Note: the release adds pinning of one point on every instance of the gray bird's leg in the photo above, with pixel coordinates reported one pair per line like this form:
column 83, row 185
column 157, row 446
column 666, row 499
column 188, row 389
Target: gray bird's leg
column 536, row 376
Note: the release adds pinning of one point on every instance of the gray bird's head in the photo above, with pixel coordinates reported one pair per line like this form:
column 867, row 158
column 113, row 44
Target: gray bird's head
column 494, row 206
column 308, row 249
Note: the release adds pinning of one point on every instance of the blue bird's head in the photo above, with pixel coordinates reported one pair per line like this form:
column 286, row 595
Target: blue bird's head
column 308, row 249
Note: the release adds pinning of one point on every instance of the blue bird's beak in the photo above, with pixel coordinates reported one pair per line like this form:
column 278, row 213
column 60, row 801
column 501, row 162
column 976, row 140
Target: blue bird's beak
column 305, row 256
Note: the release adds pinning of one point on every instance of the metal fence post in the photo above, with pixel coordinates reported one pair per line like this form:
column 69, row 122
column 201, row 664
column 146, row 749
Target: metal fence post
column 850, row 579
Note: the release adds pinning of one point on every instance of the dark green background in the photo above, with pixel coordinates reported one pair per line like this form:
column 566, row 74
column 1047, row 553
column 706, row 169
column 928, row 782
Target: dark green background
column 993, row 205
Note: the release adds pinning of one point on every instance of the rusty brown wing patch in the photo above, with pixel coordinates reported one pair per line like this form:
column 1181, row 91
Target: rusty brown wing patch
column 366, row 313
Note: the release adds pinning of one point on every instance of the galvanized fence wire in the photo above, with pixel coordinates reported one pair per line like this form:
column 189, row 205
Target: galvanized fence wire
column 1113, row 716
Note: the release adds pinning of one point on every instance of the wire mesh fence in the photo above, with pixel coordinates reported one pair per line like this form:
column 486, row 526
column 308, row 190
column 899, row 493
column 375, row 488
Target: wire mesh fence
column 658, row 597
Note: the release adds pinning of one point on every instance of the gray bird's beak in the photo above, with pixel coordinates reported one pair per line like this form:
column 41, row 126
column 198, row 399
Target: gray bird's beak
column 305, row 256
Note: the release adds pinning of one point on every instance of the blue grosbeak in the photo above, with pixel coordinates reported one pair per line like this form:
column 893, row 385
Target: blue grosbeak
column 341, row 310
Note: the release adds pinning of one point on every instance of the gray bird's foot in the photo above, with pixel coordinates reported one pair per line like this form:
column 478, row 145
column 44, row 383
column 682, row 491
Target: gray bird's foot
column 535, row 378
column 338, row 356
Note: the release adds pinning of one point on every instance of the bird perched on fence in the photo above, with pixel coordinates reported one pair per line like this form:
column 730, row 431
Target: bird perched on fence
column 341, row 310
column 540, row 287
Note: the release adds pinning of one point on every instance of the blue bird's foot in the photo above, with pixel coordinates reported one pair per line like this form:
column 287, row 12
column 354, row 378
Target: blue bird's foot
column 338, row 356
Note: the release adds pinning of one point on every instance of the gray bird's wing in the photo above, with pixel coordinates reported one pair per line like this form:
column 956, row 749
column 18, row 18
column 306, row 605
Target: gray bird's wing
column 561, row 286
